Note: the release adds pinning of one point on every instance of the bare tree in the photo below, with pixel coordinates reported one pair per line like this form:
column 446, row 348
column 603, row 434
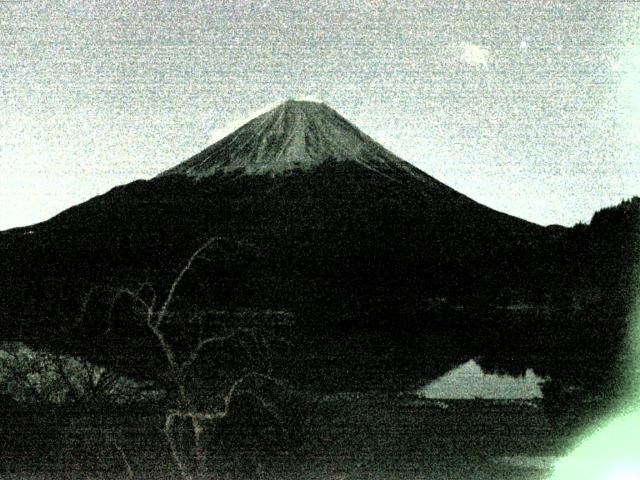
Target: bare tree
column 30, row 376
column 155, row 311
column 50, row 378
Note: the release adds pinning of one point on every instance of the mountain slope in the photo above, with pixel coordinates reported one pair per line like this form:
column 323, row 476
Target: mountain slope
column 370, row 256
column 296, row 135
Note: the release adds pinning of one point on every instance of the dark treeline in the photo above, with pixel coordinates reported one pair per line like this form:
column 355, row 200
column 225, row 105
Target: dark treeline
column 578, row 336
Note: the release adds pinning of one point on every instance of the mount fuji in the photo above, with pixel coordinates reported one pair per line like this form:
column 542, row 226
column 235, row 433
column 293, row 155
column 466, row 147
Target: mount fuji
column 388, row 277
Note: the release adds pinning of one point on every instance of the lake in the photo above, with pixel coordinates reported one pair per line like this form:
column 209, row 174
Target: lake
column 355, row 436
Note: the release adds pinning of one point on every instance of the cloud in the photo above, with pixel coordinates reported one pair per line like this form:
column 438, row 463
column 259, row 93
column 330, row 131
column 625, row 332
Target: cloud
column 475, row 55
column 308, row 98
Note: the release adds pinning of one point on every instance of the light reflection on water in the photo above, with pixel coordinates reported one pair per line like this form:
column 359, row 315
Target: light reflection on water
column 468, row 381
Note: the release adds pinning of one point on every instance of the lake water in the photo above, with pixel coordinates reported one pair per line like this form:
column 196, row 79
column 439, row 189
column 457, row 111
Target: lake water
column 368, row 437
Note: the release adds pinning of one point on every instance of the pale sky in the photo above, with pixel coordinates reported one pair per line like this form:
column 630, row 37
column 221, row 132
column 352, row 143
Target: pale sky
column 532, row 108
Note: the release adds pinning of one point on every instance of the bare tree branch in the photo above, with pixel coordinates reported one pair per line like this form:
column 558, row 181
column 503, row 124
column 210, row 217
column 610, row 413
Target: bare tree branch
column 208, row 333
column 174, row 286
column 123, row 456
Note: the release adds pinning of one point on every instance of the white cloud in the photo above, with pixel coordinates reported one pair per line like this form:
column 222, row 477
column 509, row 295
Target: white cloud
column 475, row 55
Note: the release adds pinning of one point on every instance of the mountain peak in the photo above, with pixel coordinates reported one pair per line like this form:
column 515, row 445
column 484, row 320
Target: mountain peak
column 295, row 135
column 302, row 103
column 302, row 106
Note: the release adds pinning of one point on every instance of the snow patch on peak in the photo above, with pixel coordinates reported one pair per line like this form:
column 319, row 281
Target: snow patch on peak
column 295, row 135
column 305, row 98
column 218, row 133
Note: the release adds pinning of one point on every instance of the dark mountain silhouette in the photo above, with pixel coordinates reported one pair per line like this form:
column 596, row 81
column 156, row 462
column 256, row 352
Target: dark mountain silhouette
column 386, row 277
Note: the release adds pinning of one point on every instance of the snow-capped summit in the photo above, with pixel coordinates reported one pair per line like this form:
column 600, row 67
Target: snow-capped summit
column 295, row 135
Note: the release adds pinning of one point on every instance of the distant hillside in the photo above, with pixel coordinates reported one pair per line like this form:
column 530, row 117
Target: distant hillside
column 578, row 338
